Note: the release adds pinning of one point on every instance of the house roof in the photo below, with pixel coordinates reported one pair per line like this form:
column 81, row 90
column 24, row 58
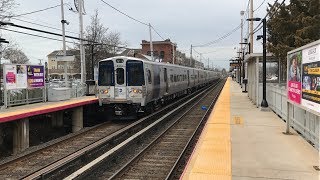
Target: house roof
column 60, row 52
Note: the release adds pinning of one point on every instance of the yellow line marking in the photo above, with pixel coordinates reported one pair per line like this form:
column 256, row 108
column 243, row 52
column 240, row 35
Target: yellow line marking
column 211, row 158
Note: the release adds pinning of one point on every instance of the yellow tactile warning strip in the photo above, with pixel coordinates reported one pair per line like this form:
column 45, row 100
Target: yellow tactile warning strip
column 211, row 159
column 25, row 111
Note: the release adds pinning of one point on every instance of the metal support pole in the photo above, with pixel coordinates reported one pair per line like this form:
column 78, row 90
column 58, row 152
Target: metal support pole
column 288, row 119
column 251, row 27
column 65, row 64
column 151, row 44
column 92, row 63
column 173, row 54
column 190, row 55
column 82, row 53
column 264, row 102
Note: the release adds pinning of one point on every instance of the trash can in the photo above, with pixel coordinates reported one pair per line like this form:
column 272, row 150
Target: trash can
column 91, row 87
column 244, row 85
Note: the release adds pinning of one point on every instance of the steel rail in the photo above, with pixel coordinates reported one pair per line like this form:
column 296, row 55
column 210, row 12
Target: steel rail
column 124, row 167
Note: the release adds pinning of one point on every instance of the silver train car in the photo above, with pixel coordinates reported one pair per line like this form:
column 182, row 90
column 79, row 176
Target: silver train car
column 129, row 85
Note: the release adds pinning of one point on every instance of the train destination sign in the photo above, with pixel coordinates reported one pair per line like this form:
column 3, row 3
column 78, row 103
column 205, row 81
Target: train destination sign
column 235, row 64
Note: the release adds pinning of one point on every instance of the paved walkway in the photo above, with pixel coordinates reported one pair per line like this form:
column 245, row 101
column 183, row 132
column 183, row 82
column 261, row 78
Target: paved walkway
column 260, row 150
column 243, row 143
column 24, row 111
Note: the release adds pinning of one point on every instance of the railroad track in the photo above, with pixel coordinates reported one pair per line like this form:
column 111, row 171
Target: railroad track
column 57, row 160
column 156, row 152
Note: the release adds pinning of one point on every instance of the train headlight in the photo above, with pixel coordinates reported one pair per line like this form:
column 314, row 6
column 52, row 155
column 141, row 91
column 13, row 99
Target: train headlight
column 106, row 91
column 137, row 91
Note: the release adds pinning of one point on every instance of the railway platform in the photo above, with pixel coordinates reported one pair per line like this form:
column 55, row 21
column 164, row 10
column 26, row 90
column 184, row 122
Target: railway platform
column 20, row 116
column 240, row 141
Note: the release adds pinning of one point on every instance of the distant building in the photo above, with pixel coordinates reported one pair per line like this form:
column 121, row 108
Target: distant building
column 162, row 50
column 56, row 68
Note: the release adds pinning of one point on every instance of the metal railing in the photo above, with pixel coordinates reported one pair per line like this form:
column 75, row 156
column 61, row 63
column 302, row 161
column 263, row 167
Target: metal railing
column 18, row 97
column 303, row 121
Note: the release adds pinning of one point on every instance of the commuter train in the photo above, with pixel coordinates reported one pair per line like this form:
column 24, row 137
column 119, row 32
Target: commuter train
column 130, row 86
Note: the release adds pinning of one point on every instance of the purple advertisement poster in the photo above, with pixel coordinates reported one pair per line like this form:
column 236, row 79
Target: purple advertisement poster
column 35, row 76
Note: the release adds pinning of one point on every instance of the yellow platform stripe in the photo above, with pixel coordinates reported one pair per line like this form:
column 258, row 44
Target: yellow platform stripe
column 211, row 158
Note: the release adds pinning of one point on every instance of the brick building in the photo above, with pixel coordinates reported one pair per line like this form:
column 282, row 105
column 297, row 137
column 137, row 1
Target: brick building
column 162, row 50
column 56, row 68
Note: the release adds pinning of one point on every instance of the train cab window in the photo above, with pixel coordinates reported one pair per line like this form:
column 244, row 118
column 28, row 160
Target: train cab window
column 149, row 76
column 120, row 76
column 106, row 73
column 135, row 74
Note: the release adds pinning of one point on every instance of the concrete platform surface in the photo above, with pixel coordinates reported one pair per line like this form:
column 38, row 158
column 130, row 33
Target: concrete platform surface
column 259, row 148
column 24, row 111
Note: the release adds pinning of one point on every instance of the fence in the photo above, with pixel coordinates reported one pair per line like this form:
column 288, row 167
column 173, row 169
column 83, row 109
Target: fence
column 27, row 96
column 303, row 121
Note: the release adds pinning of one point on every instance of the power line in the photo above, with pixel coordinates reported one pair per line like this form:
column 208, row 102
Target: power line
column 157, row 32
column 125, row 13
column 32, row 12
column 259, row 5
column 34, row 35
column 221, row 38
column 42, row 25
column 146, row 24
column 42, row 31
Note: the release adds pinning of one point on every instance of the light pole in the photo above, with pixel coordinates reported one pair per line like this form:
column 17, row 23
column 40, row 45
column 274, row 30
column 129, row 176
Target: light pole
column 264, row 103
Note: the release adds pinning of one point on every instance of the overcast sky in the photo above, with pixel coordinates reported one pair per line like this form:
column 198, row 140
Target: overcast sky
column 185, row 22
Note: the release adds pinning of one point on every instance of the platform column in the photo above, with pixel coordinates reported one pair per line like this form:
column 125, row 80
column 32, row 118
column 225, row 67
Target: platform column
column 20, row 135
column 57, row 119
column 77, row 119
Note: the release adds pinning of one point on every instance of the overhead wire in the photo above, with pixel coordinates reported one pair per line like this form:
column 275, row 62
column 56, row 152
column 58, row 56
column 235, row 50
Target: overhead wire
column 220, row 38
column 259, row 5
column 35, row 35
column 125, row 14
column 135, row 19
column 43, row 25
column 32, row 12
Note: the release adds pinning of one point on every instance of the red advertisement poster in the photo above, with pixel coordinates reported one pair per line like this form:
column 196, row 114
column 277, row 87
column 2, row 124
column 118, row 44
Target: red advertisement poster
column 294, row 77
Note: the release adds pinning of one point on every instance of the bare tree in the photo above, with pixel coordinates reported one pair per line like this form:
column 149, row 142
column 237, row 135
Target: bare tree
column 106, row 43
column 6, row 7
column 16, row 56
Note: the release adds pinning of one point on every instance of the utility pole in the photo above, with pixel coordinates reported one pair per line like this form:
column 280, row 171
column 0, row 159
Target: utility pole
column 241, row 42
column 251, row 27
column 190, row 55
column 208, row 63
column 173, row 53
column 63, row 21
column 82, row 52
column 151, row 44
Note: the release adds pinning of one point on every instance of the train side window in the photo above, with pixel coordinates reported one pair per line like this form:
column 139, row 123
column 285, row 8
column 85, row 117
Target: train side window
column 171, row 78
column 149, row 76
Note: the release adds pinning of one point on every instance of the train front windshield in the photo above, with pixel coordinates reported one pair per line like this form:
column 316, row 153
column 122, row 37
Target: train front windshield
column 106, row 73
column 135, row 75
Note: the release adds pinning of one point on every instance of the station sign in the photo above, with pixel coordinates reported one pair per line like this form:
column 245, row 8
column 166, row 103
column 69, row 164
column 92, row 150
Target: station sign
column 235, row 64
column 65, row 58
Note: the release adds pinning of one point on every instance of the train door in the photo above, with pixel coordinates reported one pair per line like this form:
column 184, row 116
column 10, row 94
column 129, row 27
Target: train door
column 149, row 84
column 120, row 86
column 188, row 76
column 165, row 77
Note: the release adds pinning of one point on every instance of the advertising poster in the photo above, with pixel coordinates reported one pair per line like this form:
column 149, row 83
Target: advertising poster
column 21, row 74
column 311, row 78
column 35, row 76
column 10, row 76
column 294, row 77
